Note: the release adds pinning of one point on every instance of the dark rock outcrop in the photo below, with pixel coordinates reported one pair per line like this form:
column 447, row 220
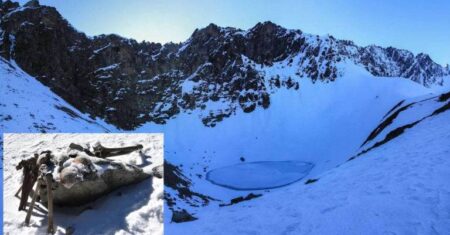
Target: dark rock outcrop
column 237, row 200
column 182, row 216
column 179, row 187
column 182, row 186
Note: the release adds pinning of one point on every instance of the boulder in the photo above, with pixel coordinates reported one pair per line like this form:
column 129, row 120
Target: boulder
column 182, row 216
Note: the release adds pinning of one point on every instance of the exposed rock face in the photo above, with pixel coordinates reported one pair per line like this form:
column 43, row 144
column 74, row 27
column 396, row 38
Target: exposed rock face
column 130, row 83
column 179, row 187
column 182, row 216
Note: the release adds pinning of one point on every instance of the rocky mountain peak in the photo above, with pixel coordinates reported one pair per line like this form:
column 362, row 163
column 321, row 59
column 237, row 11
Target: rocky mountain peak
column 212, row 30
column 32, row 3
column 424, row 58
column 267, row 27
column 129, row 83
column 8, row 6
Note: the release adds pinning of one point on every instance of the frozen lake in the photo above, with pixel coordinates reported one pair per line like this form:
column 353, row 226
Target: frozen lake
column 259, row 175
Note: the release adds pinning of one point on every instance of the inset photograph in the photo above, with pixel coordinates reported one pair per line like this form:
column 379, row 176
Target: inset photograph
column 83, row 184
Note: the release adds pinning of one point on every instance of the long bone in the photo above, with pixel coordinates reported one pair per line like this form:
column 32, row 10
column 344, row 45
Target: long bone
column 103, row 152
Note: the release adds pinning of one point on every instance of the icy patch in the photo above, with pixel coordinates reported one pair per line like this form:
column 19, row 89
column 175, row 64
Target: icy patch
column 259, row 175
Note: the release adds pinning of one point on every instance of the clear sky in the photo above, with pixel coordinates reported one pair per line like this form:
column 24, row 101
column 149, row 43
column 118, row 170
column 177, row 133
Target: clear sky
column 416, row 25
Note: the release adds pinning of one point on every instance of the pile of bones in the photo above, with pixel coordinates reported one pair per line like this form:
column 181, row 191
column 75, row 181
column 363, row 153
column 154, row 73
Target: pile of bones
column 78, row 177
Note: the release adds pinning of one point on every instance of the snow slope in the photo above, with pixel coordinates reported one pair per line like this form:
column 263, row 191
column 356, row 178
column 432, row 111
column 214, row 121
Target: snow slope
column 29, row 106
column 401, row 187
column 134, row 209
column 296, row 126
column 321, row 123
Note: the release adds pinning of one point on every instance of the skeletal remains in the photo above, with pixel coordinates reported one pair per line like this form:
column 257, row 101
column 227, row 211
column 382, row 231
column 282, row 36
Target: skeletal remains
column 80, row 176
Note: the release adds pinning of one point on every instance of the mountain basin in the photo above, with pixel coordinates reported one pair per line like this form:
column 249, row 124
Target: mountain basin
column 259, row 175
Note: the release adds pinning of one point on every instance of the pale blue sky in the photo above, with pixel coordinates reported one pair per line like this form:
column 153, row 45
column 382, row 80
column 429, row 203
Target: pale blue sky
column 416, row 25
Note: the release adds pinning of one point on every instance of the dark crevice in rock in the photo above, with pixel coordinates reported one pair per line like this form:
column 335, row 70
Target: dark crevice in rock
column 393, row 108
column 400, row 130
column 310, row 181
column 444, row 97
column 386, row 123
column 441, row 109
column 391, row 135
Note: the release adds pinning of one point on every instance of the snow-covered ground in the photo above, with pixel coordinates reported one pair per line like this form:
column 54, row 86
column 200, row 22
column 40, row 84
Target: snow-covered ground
column 401, row 187
column 134, row 209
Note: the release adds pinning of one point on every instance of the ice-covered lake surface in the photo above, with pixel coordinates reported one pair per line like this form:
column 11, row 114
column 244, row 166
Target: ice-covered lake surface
column 259, row 175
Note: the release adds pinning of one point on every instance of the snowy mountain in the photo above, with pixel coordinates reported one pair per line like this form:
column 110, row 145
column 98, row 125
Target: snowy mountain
column 358, row 109
column 129, row 83
column 29, row 106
